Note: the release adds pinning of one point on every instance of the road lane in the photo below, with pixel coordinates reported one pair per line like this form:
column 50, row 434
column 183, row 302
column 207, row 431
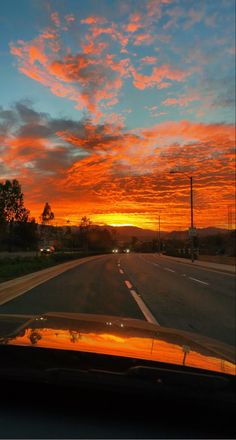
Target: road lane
column 142, row 286
column 178, row 301
column 94, row 287
column 221, row 282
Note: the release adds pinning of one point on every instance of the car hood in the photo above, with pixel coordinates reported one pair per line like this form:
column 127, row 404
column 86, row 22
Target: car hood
column 110, row 335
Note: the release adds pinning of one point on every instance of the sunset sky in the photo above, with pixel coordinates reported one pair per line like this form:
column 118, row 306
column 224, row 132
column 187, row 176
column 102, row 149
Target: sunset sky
column 101, row 99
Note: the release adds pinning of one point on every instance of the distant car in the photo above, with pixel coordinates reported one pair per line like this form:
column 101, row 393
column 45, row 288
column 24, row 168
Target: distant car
column 127, row 251
column 115, row 251
column 47, row 250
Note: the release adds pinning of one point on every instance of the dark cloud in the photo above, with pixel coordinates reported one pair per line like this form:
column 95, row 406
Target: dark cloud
column 26, row 112
column 41, row 143
column 34, row 131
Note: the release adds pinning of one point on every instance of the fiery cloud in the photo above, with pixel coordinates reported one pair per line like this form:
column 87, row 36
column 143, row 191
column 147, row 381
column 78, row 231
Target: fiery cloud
column 108, row 172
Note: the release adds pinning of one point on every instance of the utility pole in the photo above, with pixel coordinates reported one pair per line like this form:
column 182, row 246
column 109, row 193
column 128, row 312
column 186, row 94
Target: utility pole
column 230, row 217
column 159, row 234
column 191, row 205
column 192, row 230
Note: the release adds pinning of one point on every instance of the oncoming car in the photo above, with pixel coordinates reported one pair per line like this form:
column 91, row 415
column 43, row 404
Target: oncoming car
column 47, row 250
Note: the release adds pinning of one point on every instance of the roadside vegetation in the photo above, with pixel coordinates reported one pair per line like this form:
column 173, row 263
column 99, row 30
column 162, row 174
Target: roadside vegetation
column 18, row 266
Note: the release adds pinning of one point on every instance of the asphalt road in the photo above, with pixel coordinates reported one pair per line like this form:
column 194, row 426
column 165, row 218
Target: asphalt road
column 143, row 286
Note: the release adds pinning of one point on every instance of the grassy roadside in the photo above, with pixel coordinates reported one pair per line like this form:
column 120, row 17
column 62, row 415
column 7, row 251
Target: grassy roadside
column 15, row 267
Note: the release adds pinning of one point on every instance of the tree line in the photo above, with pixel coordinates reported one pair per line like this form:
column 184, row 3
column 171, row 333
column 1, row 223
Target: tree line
column 20, row 231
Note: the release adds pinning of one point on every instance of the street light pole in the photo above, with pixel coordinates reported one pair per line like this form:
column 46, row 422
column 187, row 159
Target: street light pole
column 191, row 204
column 159, row 234
column 191, row 211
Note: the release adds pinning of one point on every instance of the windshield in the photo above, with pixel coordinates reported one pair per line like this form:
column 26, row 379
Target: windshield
column 117, row 170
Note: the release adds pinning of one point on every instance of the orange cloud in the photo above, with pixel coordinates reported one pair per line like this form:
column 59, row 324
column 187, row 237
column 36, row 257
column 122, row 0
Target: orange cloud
column 181, row 101
column 55, row 18
column 149, row 60
column 69, row 18
column 144, row 39
column 109, row 173
column 158, row 74
column 135, row 22
column 84, row 78
column 93, row 20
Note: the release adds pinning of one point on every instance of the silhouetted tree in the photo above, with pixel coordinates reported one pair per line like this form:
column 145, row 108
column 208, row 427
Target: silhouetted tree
column 25, row 234
column 12, row 202
column 12, row 211
column 84, row 227
column 47, row 215
column 85, row 223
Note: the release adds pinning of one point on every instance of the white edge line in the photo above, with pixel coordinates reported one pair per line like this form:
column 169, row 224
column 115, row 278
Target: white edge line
column 199, row 281
column 146, row 312
column 170, row 270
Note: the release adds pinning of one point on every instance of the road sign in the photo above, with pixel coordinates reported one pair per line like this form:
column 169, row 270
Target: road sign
column 192, row 232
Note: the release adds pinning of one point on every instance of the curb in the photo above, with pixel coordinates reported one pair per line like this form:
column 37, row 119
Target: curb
column 214, row 269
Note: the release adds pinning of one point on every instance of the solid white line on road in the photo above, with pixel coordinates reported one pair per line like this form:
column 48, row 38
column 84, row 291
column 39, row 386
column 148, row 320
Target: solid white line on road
column 148, row 315
column 199, row 281
column 121, row 271
column 170, row 270
column 128, row 284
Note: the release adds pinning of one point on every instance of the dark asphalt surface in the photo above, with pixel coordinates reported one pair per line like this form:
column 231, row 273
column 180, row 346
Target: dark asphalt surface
column 179, row 295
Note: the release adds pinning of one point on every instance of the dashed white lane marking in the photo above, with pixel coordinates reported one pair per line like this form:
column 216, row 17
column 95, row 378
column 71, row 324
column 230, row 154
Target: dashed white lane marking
column 118, row 264
column 199, row 281
column 170, row 270
column 121, row 271
column 128, row 284
column 183, row 275
column 148, row 315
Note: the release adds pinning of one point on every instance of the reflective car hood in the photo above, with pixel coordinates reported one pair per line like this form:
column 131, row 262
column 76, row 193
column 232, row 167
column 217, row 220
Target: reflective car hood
column 116, row 336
